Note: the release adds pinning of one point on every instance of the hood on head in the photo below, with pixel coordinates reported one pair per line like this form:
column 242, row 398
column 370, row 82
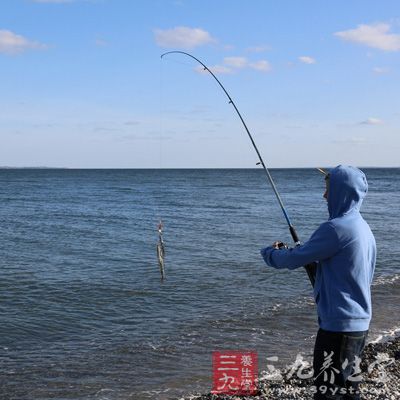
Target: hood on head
column 347, row 188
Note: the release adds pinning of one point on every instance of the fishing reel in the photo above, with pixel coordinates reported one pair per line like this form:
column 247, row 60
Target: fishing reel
column 280, row 245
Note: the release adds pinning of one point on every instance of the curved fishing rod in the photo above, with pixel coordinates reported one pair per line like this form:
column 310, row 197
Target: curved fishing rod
column 292, row 230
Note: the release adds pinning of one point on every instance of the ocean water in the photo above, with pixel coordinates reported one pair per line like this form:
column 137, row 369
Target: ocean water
column 85, row 315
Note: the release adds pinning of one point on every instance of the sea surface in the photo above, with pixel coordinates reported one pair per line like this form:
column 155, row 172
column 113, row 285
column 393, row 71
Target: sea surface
column 85, row 315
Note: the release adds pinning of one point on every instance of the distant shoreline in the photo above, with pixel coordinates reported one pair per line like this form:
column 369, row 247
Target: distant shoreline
column 6, row 167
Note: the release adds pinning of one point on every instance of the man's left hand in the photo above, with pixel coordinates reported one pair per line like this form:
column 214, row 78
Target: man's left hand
column 279, row 245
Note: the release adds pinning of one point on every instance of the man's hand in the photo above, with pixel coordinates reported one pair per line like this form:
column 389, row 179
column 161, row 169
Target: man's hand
column 279, row 245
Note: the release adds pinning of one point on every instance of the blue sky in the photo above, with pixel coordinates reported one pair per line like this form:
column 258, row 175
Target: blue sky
column 83, row 84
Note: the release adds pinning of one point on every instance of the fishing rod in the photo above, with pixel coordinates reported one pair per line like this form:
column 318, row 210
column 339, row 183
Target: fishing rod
column 309, row 268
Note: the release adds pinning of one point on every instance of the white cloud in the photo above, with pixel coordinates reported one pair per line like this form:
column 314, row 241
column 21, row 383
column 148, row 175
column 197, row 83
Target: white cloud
column 11, row 43
column 216, row 69
column 258, row 49
column 262, row 65
column 372, row 121
column 233, row 64
column 307, row 60
column 236, row 62
column 375, row 35
column 182, row 37
column 380, row 70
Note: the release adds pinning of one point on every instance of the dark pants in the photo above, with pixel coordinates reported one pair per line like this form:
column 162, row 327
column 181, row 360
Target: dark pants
column 336, row 364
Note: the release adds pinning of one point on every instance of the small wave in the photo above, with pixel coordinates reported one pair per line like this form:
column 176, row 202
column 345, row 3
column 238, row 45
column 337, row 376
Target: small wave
column 222, row 207
column 276, row 306
column 156, row 394
column 385, row 336
column 386, row 280
column 293, row 304
column 104, row 393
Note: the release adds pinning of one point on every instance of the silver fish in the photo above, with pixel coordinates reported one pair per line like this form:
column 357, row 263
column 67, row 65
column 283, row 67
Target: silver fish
column 161, row 250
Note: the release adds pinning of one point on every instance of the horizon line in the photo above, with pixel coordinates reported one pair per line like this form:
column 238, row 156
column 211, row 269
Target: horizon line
column 182, row 168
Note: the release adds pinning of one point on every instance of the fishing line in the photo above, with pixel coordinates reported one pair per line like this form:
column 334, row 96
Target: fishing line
column 309, row 268
column 160, row 247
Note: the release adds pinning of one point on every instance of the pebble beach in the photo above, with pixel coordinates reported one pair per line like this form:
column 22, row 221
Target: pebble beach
column 380, row 370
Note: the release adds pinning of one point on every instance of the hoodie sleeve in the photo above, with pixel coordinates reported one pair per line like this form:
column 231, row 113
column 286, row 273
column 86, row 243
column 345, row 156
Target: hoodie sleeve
column 323, row 244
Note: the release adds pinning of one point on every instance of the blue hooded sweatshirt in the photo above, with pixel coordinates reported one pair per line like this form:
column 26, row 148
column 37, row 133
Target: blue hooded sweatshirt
column 345, row 251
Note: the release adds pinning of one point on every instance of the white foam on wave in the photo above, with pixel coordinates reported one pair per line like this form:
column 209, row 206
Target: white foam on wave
column 386, row 280
column 384, row 336
column 293, row 304
column 377, row 340
column 103, row 394
column 276, row 306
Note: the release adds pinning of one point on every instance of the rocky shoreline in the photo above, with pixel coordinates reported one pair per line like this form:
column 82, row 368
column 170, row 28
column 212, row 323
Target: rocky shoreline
column 380, row 370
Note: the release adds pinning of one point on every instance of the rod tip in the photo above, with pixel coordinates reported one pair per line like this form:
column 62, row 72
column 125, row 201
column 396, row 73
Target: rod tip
column 322, row 171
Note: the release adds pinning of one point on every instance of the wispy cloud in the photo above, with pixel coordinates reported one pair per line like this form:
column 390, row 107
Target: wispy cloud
column 11, row 43
column 258, row 49
column 233, row 64
column 53, row 1
column 216, row 69
column 182, row 37
column 132, row 123
column 236, row 62
column 307, row 60
column 243, row 62
column 376, row 36
column 355, row 140
column 380, row 70
column 372, row 121
column 101, row 42
column 228, row 47
column 262, row 65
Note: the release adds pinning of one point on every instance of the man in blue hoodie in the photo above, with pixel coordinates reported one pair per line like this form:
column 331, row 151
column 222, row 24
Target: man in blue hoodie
column 345, row 252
